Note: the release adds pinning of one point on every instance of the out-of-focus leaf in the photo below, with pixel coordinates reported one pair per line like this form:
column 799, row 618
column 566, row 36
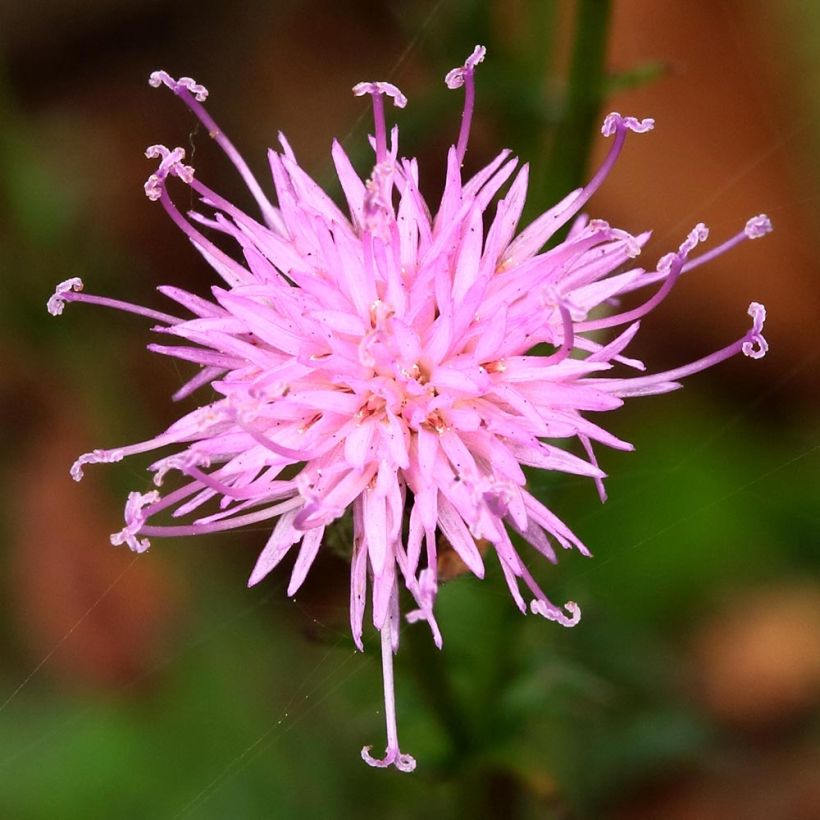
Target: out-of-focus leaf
column 636, row 77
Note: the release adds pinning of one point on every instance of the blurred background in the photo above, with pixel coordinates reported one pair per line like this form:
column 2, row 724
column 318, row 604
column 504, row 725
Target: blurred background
column 159, row 686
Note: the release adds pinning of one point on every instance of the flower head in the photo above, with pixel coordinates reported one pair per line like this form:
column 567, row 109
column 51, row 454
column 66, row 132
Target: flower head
column 379, row 361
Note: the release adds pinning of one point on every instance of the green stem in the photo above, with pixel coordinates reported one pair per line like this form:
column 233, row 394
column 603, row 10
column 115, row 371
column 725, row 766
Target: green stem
column 430, row 672
column 488, row 795
column 573, row 136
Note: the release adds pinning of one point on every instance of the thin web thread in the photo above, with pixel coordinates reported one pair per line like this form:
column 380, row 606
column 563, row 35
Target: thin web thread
column 241, row 761
column 258, row 746
column 205, row 636
column 69, row 632
column 411, row 46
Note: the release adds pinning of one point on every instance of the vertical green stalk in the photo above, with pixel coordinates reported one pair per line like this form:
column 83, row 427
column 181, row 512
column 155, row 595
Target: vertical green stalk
column 573, row 136
column 432, row 679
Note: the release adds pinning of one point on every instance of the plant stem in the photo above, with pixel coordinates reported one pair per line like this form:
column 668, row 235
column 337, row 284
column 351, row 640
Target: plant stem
column 573, row 136
column 431, row 675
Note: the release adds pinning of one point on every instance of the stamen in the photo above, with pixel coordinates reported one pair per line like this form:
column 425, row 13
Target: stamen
column 671, row 266
column 614, row 122
column 95, row 457
column 118, row 453
column 758, row 226
column 69, row 291
column 376, row 90
column 377, row 206
column 543, row 607
column 226, row 524
column 244, row 420
column 755, row 228
column 230, row 270
column 675, row 266
column 464, row 76
column 135, row 517
column 62, row 294
column 755, row 346
column 752, row 344
column 192, row 94
column 425, row 592
column 393, row 755
column 158, row 78
column 617, row 125
column 171, row 164
column 553, row 613
column 178, row 461
column 700, row 233
column 541, row 229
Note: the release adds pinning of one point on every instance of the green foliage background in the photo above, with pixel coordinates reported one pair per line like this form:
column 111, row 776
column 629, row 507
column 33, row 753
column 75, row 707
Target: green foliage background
column 254, row 706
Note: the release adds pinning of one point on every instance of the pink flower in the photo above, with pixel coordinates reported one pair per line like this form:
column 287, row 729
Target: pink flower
column 376, row 361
